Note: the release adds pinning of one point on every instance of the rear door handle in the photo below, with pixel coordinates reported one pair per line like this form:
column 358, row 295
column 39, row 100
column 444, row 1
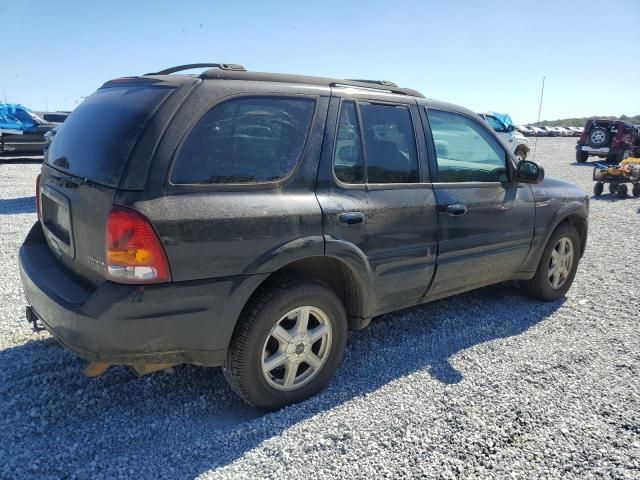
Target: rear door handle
column 351, row 218
column 456, row 209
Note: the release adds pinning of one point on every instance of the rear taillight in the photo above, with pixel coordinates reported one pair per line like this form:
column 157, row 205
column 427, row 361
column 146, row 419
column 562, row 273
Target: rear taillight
column 38, row 196
column 134, row 253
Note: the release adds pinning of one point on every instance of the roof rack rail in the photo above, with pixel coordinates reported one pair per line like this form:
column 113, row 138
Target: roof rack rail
column 384, row 83
column 179, row 68
column 378, row 85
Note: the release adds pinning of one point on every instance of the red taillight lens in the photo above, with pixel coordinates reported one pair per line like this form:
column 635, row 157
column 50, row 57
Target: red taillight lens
column 38, row 196
column 134, row 253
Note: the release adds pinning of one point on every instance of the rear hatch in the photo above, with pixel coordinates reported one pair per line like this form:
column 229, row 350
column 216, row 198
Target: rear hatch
column 84, row 166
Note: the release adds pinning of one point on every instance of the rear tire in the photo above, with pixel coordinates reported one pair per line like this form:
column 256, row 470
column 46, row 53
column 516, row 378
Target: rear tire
column 270, row 334
column 612, row 188
column 636, row 190
column 581, row 157
column 541, row 286
column 598, row 188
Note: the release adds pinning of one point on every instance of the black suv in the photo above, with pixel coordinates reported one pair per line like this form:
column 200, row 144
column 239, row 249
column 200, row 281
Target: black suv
column 248, row 219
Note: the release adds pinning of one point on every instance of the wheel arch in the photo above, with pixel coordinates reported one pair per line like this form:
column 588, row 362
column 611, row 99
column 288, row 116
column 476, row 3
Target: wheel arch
column 349, row 282
column 573, row 214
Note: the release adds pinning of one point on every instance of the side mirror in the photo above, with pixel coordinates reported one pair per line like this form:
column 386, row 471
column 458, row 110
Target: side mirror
column 529, row 172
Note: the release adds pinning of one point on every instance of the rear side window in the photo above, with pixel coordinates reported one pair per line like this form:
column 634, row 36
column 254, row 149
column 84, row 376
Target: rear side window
column 390, row 148
column 348, row 164
column 96, row 139
column 389, row 144
column 245, row 140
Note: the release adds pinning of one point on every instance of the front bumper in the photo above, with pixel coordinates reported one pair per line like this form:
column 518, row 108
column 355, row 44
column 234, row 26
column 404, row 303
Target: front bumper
column 179, row 322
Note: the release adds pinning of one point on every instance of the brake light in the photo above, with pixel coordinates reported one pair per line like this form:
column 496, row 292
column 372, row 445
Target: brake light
column 134, row 253
column 38, row 196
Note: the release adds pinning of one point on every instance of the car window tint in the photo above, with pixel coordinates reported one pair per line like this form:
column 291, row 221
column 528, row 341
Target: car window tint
column 245, row 140
column 465, row 151
column 347, row 158
column 390, row 147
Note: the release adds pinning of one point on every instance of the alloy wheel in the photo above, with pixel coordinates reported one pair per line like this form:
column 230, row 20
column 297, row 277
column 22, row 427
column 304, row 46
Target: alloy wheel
column 296, row 348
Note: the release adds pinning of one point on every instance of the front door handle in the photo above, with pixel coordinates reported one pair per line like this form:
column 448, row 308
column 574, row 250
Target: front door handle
column 456, row 209
column 351, row 218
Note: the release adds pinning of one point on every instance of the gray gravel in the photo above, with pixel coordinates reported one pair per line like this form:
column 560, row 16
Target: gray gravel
column 486, row 384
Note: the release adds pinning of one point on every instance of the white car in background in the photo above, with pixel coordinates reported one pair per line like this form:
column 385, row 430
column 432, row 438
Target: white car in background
column 503, row 126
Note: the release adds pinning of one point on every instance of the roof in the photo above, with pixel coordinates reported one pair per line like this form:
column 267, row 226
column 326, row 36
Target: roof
column 226, row 71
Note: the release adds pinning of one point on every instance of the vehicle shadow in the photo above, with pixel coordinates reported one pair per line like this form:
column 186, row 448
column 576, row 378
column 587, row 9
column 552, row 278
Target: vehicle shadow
column 586, row 164
column 611, row 198
column 14, row 206
column 183, row 424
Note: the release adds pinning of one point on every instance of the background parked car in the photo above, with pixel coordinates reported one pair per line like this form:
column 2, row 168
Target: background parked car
column 526, row 131
column 29, row 130
column 565, row 132
column 608, row 139
column 53, row 117
column 502, row 124
column 539, row 132
column 552, row 131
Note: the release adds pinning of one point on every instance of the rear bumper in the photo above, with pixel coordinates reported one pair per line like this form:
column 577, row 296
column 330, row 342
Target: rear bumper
column 604, row 151
column 179, row 322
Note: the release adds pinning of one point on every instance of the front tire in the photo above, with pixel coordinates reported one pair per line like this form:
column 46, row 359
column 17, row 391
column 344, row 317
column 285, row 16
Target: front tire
column 621, row 191
column 557, row 267
column 288, row 345
column 636, row 190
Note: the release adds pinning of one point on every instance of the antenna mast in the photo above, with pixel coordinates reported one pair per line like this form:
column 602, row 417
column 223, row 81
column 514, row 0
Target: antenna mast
column 535, row 145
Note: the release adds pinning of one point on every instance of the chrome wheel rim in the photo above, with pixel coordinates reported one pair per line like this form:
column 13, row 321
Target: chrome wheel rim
column 597, row 137
column 560, row 263
column 296, row 348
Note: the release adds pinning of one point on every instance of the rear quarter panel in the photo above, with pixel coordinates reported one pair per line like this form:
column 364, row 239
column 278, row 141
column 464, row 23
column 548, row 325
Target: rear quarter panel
column 216, row 231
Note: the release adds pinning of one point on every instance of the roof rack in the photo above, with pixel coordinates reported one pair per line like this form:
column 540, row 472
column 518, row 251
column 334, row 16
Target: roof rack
column 180, row 68
column 385, row 83
column 379, row 85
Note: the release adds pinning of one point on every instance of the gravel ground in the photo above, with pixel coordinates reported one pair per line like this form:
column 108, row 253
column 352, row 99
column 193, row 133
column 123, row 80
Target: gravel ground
column 486, row 384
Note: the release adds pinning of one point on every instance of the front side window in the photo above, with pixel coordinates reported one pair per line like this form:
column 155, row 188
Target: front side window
column 245, row 140
column 390, row 148
column 465, row 151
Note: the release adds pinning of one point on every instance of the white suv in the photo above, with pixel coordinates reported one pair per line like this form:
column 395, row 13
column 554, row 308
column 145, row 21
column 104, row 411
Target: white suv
column 503, row 126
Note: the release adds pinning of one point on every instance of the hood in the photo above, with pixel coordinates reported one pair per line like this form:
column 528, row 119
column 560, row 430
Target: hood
column 559, row 189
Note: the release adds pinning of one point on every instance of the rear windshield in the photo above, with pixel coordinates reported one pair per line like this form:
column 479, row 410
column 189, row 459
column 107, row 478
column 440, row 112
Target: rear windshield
column 95, row 141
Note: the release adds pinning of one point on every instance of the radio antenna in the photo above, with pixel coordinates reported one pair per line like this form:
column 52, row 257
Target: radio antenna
column 535, row 145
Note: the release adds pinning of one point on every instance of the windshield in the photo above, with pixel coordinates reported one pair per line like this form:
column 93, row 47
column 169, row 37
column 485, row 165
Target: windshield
column 96, row 139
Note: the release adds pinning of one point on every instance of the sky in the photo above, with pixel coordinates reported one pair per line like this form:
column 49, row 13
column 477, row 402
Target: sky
column 484, row 55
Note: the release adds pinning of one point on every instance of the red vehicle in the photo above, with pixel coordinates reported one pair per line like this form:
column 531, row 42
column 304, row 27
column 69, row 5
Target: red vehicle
column 608, row 139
